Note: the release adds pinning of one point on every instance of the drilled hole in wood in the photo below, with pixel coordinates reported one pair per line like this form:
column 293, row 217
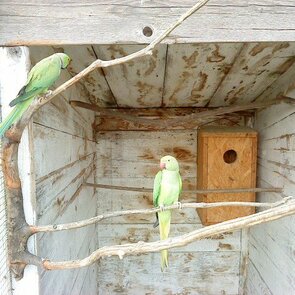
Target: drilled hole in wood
column 147, row 31
column 230, row 156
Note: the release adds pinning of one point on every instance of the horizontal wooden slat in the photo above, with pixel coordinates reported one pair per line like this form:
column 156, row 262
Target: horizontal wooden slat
column 116, row 233
column 96, row 22
column 189, row 273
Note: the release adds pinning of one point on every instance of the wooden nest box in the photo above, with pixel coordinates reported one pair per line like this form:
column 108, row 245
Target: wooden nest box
column 226, row 159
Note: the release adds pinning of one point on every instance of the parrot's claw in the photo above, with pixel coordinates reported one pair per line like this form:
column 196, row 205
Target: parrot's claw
column 179, row 205
column 162, row 207
column 48, row 93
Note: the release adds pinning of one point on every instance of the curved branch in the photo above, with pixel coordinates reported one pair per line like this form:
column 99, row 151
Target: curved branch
column 82, row 223
column 141, row 247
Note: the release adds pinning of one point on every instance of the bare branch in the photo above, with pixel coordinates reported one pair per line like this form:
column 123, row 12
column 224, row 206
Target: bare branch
column 141, row 247
column 200, row 191
column 82, row 223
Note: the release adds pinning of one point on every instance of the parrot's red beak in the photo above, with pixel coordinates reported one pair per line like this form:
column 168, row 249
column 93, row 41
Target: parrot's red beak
column 162, row 166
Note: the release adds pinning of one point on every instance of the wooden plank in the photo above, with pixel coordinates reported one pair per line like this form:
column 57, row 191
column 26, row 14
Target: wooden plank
column 271, row 246
column 55, row 192
column 194, row 71
column 59, row 115
column 95, row 23
column 271, row 261
column 117, row 233
column 95, row 82
column 52, row 144
column 255, row 283
column 109, row 123
column 281, row 86
column 209, row 273
column 257, row 66
column 137, row 83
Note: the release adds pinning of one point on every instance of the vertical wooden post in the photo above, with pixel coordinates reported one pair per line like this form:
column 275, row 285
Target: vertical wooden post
column 14, row 69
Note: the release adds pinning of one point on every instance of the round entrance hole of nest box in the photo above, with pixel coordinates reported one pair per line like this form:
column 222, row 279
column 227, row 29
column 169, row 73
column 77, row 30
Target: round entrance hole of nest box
column 230, row 156
column 147, row 31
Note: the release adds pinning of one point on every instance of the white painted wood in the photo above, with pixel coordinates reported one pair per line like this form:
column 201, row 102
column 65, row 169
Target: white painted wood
column 13, row 74
column 138, row 83
column 271, row 246
column 194, row 72
column 131, row 158
column 61, row 147
column 95, row 82
column 122, row 21
column 257, row 67
column 209, row 273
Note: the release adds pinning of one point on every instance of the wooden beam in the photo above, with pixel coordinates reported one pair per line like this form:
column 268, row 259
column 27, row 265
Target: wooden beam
column 203, row 191
column 190, row 120
column 94, row 22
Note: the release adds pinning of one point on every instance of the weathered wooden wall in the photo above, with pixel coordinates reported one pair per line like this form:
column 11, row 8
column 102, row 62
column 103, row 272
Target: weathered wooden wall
column 131, row 158
column 63, row 154
column 109, row 22
column 271, row 246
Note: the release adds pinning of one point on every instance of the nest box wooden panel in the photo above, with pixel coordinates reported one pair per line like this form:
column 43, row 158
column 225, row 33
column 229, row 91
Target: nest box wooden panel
column 227, row 158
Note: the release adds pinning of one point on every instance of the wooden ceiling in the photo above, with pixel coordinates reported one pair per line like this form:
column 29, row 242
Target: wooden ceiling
column 185, row 75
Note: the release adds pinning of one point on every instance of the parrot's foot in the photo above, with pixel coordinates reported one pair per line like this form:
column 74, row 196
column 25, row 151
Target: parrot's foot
column 179, row 205
column 48, row 94
column 162, row 208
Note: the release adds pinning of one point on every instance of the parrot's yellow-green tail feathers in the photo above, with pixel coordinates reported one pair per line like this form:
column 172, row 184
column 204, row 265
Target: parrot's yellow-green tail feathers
column 164, row 259
column 9, row 120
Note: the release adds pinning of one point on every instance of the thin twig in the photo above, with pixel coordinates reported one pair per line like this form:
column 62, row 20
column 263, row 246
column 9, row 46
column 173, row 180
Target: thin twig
column 141, row 247
column 82, row 223
column 199, row 191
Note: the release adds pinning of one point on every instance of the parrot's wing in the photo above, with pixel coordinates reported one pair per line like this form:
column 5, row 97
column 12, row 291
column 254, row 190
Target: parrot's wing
column 157, row 188
column 42, row 75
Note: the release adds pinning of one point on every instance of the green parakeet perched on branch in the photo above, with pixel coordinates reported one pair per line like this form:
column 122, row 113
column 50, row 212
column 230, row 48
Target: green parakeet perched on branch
column 167, row 187
column 40, row 78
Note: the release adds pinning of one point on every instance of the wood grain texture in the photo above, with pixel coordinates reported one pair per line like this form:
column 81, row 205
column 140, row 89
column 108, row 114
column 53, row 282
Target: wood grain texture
column 131, row 158
column 194, row 72
column 64, row 156
column 137, row 83
column 256, row 67
column 271, row 246
column 215, row 172
column 95, row 23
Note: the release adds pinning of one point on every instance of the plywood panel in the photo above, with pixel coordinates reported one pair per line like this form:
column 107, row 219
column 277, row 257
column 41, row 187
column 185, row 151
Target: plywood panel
column 218, row 172
column 257, row 67
column 138, row 83
column 194, row 72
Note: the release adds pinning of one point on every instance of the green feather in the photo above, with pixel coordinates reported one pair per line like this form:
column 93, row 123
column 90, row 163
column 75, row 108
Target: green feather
column 167, row 187
column 40, row 78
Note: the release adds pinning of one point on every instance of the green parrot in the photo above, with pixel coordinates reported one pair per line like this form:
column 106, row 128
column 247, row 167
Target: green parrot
column 40, row 78
column 167, row 188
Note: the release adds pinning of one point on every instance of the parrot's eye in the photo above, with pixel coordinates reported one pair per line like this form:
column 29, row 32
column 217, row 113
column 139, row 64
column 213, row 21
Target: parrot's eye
column 168, row 160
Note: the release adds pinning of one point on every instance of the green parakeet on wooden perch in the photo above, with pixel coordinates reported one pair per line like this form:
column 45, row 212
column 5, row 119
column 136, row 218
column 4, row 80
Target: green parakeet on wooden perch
column 40, row 78
column 167, row 188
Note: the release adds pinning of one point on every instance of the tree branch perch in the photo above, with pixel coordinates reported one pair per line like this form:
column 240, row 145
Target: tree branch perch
column 82, row 223
column 141, row 247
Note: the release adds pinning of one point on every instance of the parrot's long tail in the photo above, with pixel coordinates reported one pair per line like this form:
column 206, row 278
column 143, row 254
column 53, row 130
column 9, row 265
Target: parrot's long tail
column 164, row 221
column 14, row 115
